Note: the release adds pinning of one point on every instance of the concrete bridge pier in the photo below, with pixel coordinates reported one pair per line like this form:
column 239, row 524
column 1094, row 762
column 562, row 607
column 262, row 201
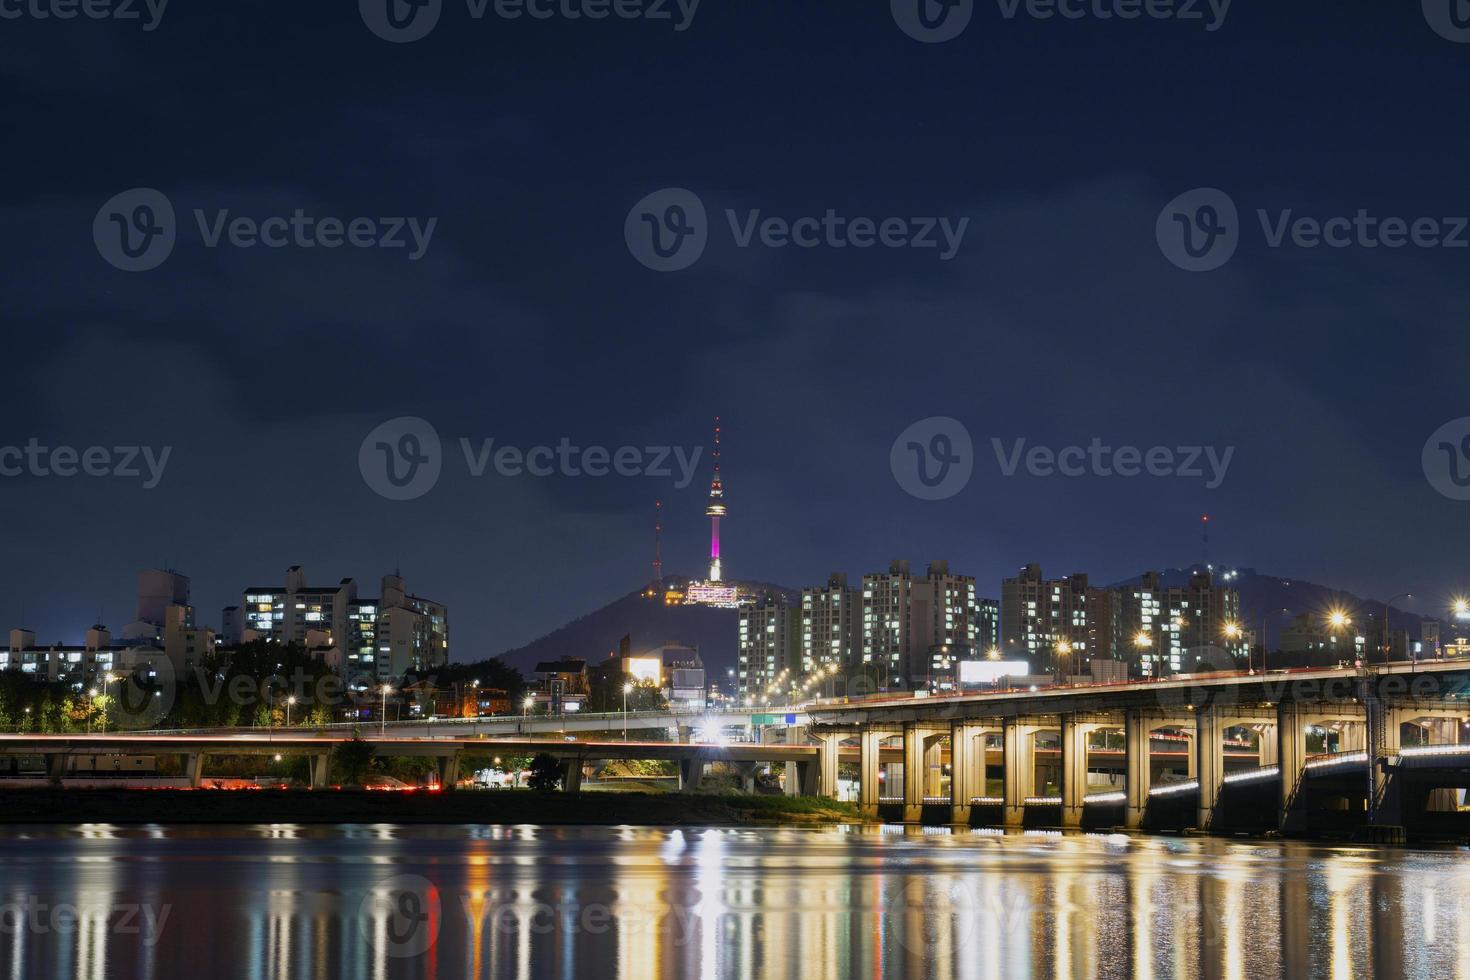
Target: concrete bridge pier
column 1076, row 735
column 1209, row 762
column 55, row 767
column 920, row 773
column 802, row 778
column 194, row 769
column 1020, row 769
column 1445, row 731
column 1138, row 773
column 1266, row 746
column 870, row 746
column 745, row 773
column 829, row 745
column 448, row 771
column 1291, row 756
column 966, row 768
column 571, row 775
column 317, row 769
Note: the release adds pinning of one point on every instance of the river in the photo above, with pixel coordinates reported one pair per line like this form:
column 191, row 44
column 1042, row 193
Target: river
column 620, row 903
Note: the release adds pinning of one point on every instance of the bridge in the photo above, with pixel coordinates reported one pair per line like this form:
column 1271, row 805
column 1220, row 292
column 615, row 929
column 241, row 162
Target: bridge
column 951, row 745
column 447, row 751
column 1211, row 752
column 686, row 721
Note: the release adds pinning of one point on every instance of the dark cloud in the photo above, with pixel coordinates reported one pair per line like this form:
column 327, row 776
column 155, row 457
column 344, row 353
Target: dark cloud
column 527, row 319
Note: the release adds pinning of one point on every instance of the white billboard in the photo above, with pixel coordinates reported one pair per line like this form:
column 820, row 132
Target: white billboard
column 645, row 670
column 990, row 671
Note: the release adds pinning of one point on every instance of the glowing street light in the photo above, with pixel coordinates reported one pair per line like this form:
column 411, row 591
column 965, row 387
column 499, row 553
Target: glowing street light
column 627, row 689
column 1063, row 648
column 107, row 679
column 383, row 713
column 289, row 701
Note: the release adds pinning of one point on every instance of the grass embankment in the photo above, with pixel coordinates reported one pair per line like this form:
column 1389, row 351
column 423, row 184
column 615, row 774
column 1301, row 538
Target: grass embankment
column 50, row 805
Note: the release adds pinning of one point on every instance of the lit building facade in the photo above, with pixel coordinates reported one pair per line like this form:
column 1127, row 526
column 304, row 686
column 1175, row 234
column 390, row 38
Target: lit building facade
column 916, row 630
column 1061, row 625
column 769, row 648
column 831, row 625
column 1168, row 630
column 372, row 639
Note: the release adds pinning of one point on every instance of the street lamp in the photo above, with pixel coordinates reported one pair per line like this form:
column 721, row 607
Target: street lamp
column 1141, row 642
column 1387, row 640
column 91, row 696
column 107, row 679
column 1232, row 631
column 1063, row 649
column 383, row 712
column 289, row 701
column 1264, row 618
column 627, row 689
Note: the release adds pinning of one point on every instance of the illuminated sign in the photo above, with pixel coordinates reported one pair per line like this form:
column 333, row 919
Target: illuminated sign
column 647, row 670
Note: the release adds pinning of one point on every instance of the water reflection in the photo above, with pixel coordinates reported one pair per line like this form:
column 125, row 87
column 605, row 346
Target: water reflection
column 383, row 902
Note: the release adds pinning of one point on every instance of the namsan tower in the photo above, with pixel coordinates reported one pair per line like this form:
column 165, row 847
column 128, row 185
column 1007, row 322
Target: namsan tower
column 715, row 511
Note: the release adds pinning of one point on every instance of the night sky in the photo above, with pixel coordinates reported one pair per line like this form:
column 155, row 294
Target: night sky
column 528, row 320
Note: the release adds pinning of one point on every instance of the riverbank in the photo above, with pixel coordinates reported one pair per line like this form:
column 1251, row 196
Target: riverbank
column 168, row 806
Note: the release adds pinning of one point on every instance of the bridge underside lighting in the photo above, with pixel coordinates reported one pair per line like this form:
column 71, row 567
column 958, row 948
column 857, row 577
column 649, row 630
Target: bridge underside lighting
column 1342, row 759
column 1266, row 772
column 1107, row 798
column 1172, row 788
column 1436, row 750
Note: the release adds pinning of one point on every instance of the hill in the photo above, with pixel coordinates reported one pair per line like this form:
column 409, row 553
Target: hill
column 1261, row 595
column 650, row 623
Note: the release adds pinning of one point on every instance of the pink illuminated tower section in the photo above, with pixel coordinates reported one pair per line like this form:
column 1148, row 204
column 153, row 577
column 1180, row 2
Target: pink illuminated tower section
column 715, row 510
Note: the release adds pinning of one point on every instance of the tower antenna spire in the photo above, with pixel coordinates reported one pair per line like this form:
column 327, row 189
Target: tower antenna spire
column 658, row 529
column 715, row 511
